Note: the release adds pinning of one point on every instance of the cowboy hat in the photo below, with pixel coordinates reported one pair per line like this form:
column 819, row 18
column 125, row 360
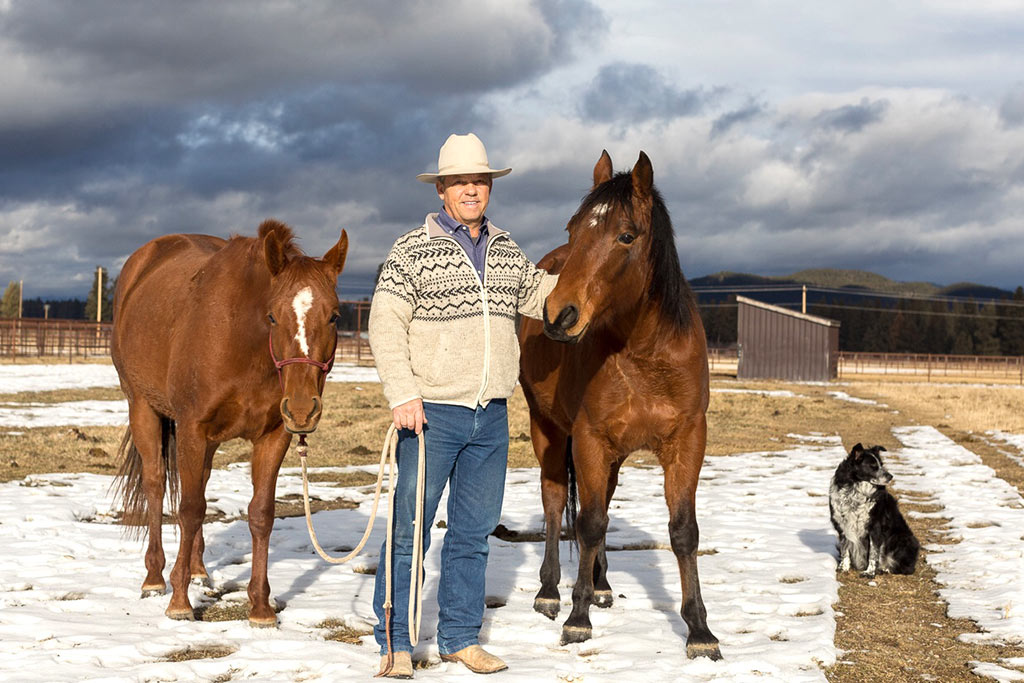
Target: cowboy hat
column 462, row 155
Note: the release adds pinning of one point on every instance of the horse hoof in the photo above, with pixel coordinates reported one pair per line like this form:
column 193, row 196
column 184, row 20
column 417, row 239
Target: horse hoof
column 152, row 591
column 181, row 614
column 547, row 606
column 709, row 650
column 603, row 599
column 202, row 580
column 263, row 622
column 575, row 634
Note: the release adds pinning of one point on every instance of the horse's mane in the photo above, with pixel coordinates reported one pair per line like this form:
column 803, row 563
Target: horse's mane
column 668, row 286
column 300, row 266
column 284, row 234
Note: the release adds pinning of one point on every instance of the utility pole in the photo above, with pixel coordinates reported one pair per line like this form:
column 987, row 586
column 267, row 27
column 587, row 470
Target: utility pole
column 803, row 301
column 21, row 295
column 99, row 293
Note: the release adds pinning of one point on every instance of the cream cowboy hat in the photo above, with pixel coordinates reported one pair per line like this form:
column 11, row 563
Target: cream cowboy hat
column 462, row 155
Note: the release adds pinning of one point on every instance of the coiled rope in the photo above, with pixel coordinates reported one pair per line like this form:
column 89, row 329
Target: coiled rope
column 387, row 455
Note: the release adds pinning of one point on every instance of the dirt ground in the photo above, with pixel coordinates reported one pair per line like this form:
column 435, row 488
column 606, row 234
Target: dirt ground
column 892, row 628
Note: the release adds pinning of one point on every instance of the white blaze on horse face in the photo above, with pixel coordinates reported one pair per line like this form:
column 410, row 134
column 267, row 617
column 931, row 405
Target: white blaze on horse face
column 301, row 304
column 597, row 213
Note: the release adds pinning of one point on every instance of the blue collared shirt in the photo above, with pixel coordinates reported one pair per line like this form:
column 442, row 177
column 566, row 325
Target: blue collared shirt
column 475, row 250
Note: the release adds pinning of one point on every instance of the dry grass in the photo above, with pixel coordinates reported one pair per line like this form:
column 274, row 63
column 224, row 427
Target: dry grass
column 203, row 652
column 742, row 422
column 962, row 407
column 340, row 631
column 87, row 394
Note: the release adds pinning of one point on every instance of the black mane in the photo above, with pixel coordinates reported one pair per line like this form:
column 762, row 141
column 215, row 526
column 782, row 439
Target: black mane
column 668, row 286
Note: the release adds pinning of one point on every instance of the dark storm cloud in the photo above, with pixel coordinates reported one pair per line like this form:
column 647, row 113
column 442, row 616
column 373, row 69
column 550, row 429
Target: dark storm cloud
column 852, row 117
column 742, row 115
column 233, row 49
column 122, row 121
column 633, row 93
column 106, row 84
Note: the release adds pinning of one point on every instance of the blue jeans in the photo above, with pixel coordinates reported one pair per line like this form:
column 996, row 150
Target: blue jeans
column 468, row 450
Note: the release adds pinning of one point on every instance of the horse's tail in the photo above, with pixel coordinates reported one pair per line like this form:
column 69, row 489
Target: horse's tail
column 572, row 505
column 128, row 482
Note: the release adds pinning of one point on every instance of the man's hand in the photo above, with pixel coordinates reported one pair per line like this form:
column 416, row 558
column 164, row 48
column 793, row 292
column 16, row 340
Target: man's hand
column 409, row 415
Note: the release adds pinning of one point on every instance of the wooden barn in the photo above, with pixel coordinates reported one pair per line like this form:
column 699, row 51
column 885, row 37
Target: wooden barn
column 777, row 343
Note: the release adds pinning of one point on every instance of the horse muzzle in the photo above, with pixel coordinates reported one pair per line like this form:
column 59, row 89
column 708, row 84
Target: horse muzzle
column 558, row 330
column 301, row 424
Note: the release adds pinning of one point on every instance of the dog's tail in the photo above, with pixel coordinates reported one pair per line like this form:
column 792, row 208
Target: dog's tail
column 904, row 556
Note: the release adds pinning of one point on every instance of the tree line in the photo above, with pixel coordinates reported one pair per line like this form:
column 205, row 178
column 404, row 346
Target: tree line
column 901, row 326
column 72, row 309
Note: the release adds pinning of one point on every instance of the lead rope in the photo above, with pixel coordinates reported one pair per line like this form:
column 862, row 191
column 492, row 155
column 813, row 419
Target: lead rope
column 387, row 454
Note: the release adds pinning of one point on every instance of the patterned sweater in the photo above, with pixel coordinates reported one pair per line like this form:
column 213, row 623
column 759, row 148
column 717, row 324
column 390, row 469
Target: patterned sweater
column 437, row 332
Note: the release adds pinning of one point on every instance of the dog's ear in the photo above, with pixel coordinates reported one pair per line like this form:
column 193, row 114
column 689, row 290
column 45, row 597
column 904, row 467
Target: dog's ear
column 857, row 451
column 880, row 449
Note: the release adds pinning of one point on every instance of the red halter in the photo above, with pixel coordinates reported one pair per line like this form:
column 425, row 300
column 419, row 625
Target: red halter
column 324, row 367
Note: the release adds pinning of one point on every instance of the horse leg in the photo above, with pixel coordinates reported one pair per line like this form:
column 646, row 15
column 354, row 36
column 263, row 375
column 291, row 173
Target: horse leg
column 147, row 438
column 192, row 448
column 200, row 577
column 268, row 452
column 682, row 468
column 592, row 472
column 549, row 444
column 603, row 596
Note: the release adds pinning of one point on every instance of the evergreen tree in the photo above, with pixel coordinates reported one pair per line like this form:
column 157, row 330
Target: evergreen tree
column 876, row 333
column 960, row 328
column 1011, row 326
column 107, row 311
column 934, row 336
column 9, row 304
column 986, row 343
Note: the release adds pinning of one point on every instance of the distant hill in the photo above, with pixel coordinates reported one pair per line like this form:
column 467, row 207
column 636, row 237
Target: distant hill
column 835, row 278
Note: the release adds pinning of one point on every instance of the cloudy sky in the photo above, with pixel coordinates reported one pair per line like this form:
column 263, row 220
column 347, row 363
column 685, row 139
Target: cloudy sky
column 784, row 134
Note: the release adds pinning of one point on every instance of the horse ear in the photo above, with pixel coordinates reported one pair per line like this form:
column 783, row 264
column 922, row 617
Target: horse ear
column 602, row 169
column 335, row 256
column 643, row 176
column 273, row 253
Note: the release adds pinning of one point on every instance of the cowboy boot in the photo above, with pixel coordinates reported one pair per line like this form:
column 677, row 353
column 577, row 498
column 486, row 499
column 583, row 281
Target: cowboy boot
column 401, row 666
column 477, row 660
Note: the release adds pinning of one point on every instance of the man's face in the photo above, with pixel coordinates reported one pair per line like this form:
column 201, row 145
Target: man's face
column 465, row 197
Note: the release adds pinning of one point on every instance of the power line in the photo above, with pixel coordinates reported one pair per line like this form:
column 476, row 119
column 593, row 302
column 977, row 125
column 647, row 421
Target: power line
column 874, row 309
column 867, row 293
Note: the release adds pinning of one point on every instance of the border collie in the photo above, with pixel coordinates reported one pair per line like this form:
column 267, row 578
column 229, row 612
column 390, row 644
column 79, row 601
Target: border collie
column 873, row 536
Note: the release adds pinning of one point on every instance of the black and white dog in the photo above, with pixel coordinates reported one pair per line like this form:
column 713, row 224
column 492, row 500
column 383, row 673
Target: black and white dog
column 873, row 536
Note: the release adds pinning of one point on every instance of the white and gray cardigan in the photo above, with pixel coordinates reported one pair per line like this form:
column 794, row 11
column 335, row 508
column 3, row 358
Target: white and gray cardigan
column 437, row 332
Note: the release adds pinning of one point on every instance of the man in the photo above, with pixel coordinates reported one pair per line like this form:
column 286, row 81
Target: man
column 442, row 330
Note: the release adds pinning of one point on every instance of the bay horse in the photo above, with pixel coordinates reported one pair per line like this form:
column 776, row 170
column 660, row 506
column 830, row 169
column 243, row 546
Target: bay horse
column 619, row 364
column 216, row 339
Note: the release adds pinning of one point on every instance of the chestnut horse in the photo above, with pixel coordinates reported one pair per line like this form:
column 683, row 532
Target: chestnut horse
column 631, row 373
column 216, row 339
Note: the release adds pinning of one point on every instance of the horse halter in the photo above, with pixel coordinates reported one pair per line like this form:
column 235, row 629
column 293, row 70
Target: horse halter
column 325, row 367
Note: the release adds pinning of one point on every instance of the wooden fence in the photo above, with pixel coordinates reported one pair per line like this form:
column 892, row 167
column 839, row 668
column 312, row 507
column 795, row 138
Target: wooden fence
column 79, row 339
column 70, row 339
column 930, row 366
